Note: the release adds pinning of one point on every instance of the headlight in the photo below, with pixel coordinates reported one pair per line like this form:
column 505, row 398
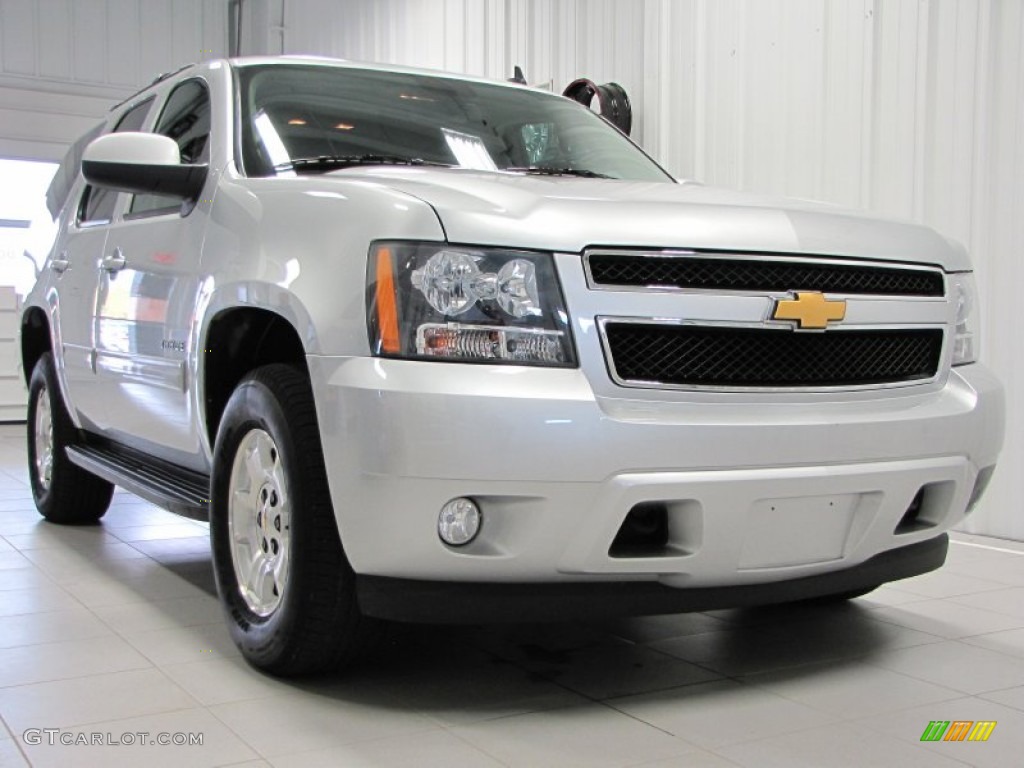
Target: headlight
column 967, row 339
column 442, row 302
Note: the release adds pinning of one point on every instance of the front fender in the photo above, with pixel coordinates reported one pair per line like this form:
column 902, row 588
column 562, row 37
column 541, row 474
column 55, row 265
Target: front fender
column 298, row 247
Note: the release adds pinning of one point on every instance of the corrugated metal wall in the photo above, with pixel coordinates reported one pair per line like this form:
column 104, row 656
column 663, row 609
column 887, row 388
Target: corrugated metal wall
column 913, row 108
column 63, row 63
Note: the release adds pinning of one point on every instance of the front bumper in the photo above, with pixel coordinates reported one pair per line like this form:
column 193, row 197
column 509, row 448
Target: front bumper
column 758, row 493
column 455, row 602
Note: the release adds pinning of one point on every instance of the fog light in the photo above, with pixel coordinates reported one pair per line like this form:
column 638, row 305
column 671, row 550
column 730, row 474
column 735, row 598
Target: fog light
column 459, row 522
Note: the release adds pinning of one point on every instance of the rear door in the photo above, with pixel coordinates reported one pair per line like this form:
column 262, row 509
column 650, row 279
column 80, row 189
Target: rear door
column 76, row 268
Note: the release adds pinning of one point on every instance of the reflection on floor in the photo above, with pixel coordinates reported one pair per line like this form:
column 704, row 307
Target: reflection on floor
column 114, row 630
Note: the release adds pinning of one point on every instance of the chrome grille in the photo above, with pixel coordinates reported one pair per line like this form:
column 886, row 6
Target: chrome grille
column 744, row 273
column 694, row 356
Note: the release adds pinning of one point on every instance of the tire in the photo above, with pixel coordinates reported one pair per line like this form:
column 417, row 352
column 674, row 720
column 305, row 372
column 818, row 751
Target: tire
column 271, row 506
column 63, row 492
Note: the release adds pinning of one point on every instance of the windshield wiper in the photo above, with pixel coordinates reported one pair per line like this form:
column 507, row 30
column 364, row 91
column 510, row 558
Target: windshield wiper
column 334, row 162
column 543, row 171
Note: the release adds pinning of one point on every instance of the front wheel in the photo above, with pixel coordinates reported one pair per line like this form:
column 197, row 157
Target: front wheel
column 63, row 491
column 286, row 586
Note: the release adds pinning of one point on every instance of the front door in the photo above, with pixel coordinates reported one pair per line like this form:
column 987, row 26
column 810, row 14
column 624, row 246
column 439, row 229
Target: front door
column 148, row 286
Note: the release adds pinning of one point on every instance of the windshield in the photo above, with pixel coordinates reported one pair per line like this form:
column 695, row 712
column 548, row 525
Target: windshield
column 350, row 116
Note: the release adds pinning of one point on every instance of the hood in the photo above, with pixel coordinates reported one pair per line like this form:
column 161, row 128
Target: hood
column 568, row 214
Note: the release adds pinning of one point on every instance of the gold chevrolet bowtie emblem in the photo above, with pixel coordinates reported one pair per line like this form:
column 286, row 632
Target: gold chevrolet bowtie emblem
column 810, row 310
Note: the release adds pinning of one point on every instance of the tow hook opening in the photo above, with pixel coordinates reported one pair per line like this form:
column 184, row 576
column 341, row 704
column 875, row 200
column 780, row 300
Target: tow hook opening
column 644, row 532
column 929, row 507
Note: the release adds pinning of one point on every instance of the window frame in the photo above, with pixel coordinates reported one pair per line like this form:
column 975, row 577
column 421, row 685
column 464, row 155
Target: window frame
column 87, row 189
column 184, row 208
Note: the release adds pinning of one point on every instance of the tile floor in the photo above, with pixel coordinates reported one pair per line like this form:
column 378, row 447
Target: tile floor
column 114, row 630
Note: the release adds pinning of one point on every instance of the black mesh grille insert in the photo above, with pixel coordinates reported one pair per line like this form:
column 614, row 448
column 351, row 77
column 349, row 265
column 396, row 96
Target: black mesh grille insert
column 741, row 357
column 738, row 274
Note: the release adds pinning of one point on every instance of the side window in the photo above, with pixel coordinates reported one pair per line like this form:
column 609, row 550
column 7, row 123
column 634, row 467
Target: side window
column 186, row 119
column 98, row 204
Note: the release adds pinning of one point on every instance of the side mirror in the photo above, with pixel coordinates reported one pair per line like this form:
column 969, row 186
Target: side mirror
column 145, row 163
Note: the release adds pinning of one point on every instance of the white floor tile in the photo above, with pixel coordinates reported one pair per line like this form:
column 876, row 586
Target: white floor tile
column 1008, row 571
column 39, row 599
column 1003, row 748
column 851, row 688
column 453, row 695
column 646, row 629
column 962, row 538
column 589, row 735
column 433, row 749
column 184, row 644
column 943, row 583
column 947, row 618
column 711, row 715
column 219, row 747
column 955, row 665
column 185, row 530
column 157, row 583
column 12, row 560
column 887, row 596
column 14, row 492
column 158, row 614
column 1010, row 642
column 64, row 565
column 764, row 647
column 1009, row 601
column 11, row 756
column 68, row 659
column 76, row 623
column 25, row 577
column 98, row 698
column 963, row 554
column 696, row 759
column 171, row 548
column 223, row 680
column 835, row 746
column 1011, row 697
column 47, row 536
column 607, row 671
column 279, row 725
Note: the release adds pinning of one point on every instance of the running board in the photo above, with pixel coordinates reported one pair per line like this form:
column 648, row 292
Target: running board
column 174, row 488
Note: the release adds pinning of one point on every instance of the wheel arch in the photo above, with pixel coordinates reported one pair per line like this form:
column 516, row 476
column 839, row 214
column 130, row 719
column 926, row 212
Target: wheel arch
column 36, row 339
column 237, row 340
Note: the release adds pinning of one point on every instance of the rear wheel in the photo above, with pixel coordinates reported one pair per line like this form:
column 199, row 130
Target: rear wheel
column 63, row 491
column 285, row 584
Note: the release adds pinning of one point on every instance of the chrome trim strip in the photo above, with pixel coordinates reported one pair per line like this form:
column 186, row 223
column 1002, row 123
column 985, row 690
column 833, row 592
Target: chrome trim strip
column 603, row 321
column 168, row 374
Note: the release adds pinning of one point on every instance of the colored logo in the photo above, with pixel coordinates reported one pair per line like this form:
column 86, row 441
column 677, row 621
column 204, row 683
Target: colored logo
column 958, row 730
column 810, row 310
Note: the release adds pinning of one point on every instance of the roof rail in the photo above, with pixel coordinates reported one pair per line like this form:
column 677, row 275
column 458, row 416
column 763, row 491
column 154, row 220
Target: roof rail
column 158, row 79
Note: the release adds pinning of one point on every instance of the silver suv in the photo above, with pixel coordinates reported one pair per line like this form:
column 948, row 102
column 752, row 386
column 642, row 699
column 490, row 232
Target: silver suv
column 431, row 348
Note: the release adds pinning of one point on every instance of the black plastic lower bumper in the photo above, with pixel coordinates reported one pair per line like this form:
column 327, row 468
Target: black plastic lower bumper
column 456, row 602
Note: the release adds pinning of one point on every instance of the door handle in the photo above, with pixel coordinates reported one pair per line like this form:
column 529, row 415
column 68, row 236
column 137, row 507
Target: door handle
column 60, row 264
column 114, row 262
